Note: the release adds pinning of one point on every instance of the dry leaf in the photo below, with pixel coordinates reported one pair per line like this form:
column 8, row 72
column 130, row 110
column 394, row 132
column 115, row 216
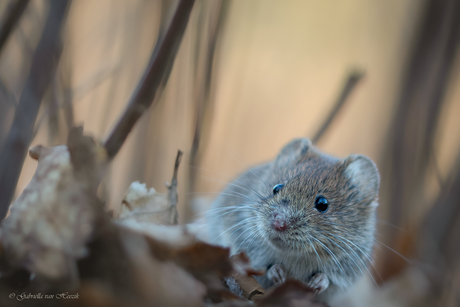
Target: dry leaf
column 93, row 294
column 233, row 303
column 126, row 269
column 242, row 282
column 161, row 283
column 53, row 218
column 242, row 265
column 144, row 205
column 292, row 293
column 174, row 235
column 207, row 263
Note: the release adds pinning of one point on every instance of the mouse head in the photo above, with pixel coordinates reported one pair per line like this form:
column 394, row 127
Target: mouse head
column 320, row 203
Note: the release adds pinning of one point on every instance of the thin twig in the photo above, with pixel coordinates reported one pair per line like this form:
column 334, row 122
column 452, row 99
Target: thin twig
column 13, row 15
column 172, row 191
column 352, row 80
column 142, row 98
column 43, row 66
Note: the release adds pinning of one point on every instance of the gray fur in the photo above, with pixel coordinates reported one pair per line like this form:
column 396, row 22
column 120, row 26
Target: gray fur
column 337, row 243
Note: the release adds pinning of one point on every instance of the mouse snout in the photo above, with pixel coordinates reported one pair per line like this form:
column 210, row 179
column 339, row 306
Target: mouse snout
column 280, row 222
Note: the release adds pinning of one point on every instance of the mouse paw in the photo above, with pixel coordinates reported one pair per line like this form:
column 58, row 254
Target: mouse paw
column 319, row 282
column 277, row 274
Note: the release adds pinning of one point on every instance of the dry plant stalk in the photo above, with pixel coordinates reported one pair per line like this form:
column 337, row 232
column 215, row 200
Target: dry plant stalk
column 160, row 62
column 43, row 65
column 172, row 192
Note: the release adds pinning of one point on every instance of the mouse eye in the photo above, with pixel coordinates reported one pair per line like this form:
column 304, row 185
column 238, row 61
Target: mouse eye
column 321, row 204
column 277, row 188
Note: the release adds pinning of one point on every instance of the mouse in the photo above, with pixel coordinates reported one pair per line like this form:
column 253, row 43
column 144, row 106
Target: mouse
column 305, row 215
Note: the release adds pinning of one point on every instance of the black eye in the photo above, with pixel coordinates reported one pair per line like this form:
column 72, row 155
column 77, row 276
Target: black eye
column 277, row 188
column 321, row 204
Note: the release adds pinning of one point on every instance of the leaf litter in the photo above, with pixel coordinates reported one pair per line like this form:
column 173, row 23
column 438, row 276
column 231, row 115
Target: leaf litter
column 59, row 237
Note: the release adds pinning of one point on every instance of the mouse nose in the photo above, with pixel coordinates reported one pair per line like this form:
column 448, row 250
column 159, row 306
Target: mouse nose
column 279, row 222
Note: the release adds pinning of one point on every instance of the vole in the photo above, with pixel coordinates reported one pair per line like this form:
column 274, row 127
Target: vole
column 305, row 215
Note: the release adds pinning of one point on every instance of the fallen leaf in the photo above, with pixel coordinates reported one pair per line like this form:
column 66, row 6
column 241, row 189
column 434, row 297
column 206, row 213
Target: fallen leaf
column 144, row 205
column 242, row 282
column 293, row 293
column 162, row 283
column 53, row 218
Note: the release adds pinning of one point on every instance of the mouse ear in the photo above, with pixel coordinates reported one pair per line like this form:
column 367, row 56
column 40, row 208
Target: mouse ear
column 363, row 172
column 293, row 151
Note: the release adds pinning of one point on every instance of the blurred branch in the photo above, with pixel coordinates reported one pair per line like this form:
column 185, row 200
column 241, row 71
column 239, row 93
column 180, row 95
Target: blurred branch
column 53, row 107
column 13, row 15
column 164, row 53
column 93, row 82
column 9, row 97
column 352, row 80
column 206, row 49
column 441, row 223
column 205, row 72
column 43, row 66
column 73, row 96
column 439, row 234
column 66, row 87
column 60, row 97
column 411, row 140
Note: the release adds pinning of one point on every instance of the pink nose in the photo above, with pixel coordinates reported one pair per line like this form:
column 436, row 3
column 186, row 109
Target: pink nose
column 279, row 222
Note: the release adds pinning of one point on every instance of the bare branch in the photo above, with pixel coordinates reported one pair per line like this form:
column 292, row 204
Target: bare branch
column 352, row 80
column 142, row 98
column 43, row 66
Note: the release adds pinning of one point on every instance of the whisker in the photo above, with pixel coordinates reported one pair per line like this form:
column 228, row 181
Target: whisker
column 205, row 218
column 228, row 194
column 218, row 210
column 339, row 246
column 391, row 225
column 250, row 219
column 250, row 169
column 331, row 253
column 225, row 176
column 366, row 255
column 351, row 258
column 254, row 237
column 241, row 223
column 236, row 185
column 211, row 212
column 317, row 255
column 400, row 255
column 249, row 228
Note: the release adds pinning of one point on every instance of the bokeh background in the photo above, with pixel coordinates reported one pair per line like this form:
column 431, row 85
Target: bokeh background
column 249, row 77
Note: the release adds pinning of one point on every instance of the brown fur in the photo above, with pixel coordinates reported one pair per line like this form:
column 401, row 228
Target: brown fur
column 337, row 243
